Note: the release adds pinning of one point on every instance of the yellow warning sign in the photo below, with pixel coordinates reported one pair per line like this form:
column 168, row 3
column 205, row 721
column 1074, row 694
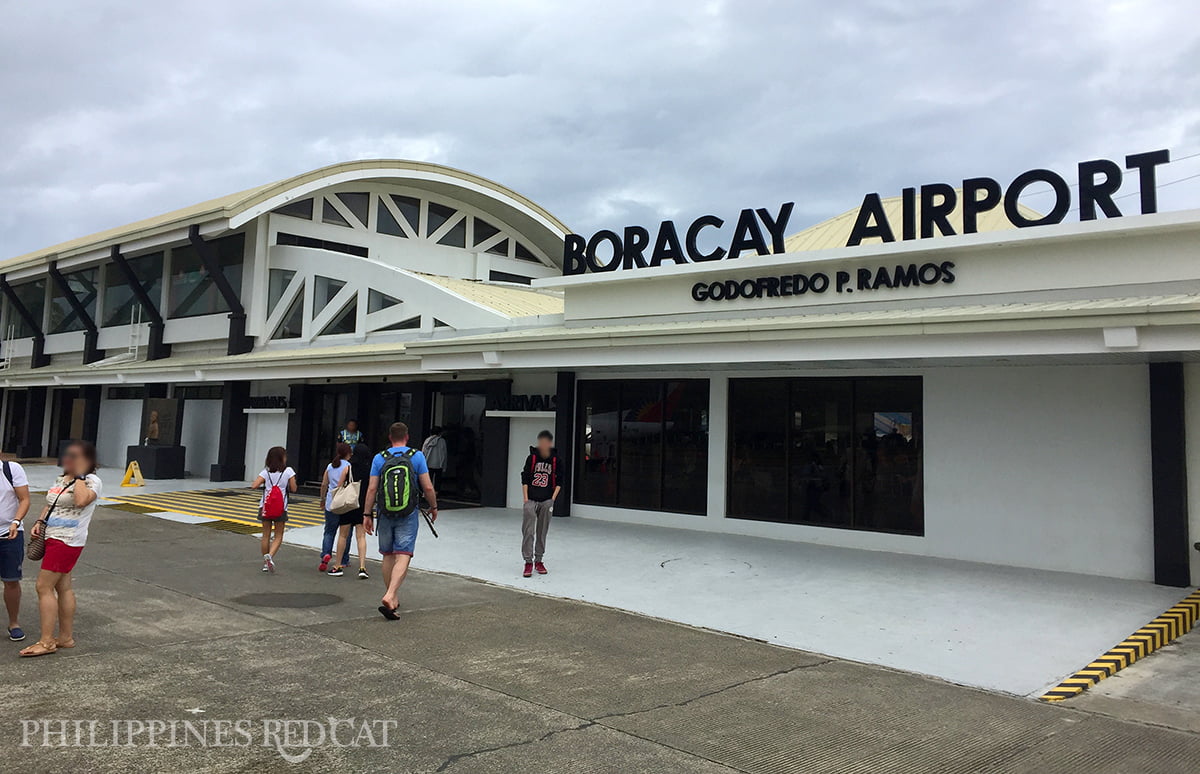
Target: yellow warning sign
column 133, row 475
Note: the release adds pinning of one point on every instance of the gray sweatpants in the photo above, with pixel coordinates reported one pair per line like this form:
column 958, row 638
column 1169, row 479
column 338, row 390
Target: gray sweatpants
column 535, row 523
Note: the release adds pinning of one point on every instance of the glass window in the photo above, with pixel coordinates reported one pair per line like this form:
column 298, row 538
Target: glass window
column 320, row 244
column 500, row 248
column 324, row 289
column 484, row 231
column 523, row 254
column 385, row 222
column 32, row 296
column 344, row 322
column 277, row 282
column 438, row 214
column 643, row 443
column 410, row 208
column 192, row 290
column 377, row 301
column 833, row 452
column 292, row 325
column 302, row 208
column 330, row 215
column 357, row 203
column 84, row 286
column 411, row 323
column 456, row 236
column 119, row 300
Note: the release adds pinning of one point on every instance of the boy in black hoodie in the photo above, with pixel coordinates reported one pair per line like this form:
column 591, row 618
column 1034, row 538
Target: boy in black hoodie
column 540, row 485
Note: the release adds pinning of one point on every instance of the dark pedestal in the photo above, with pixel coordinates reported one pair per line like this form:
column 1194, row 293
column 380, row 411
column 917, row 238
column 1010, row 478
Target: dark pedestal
column 230, row 472
column 157, row 462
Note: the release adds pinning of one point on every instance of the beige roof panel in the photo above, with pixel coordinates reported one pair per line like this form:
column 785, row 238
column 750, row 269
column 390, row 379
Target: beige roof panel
column 510, row 301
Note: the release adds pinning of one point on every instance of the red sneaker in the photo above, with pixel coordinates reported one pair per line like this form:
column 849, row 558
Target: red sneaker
column 324, row 565
column 541, row 568
column 528, row 570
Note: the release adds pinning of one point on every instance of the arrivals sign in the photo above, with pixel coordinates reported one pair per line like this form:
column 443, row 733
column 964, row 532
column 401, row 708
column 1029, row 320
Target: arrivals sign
column 924, row 213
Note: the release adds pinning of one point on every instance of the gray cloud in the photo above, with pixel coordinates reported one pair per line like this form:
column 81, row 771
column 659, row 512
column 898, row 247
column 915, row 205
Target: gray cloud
column 604, row 113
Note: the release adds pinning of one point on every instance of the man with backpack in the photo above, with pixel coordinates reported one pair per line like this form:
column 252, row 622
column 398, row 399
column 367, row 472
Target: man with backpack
column 391, row 508
column 14, row 505
column 540, row 486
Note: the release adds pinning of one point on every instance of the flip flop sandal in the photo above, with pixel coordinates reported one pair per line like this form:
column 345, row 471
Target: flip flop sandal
column 389, row 612
column 46, row 650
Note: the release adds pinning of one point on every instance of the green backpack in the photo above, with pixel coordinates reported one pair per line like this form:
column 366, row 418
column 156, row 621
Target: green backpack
column 398, row 483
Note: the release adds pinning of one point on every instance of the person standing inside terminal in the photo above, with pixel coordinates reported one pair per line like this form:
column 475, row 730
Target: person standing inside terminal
column 14, row 505
column 434, row 450
column 276, row 480
column 396, row 475
column 350, row 434
column 331, row 480
column 540, row 486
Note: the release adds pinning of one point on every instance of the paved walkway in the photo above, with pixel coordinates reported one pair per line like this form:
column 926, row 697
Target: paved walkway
column 1012, row 630
column 176, row 623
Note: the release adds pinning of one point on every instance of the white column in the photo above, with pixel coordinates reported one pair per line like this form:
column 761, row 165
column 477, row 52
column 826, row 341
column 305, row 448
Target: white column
column 718, row 444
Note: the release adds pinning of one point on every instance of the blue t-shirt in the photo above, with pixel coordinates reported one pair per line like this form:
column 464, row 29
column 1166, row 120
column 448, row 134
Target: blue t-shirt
column 418, row 461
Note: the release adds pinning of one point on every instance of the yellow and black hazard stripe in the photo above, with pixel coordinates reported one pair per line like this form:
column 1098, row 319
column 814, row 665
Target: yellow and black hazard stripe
column 239, row 506
column 1171, row 625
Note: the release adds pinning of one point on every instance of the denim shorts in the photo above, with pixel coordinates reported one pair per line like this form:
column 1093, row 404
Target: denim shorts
column 398, row 535
column 12, row 556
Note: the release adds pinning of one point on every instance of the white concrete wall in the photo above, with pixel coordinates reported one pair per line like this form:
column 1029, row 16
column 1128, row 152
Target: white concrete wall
column 522, row 433
column 201, row 435
column 262, row 432
column 1045, row 467
column 1191, row 385
column 120, row 421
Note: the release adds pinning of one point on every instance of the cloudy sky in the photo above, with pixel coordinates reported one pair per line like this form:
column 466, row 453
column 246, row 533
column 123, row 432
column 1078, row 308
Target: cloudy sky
column 606, row 113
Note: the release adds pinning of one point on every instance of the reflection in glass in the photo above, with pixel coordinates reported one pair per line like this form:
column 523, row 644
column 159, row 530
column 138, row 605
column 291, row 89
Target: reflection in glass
column 32, row 296
column 192, row 290
column 836, row 452
column 119, row 300
column 83, row 285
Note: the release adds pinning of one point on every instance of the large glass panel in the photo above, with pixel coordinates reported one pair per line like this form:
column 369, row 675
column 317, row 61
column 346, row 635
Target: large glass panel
column 357, row 203
column 500, row 248
column 456, row 236
column 410, row 208
column 438, row 214
column 324, row 289
column 277, row 282
column 119, row 300
column 639, row 456
column 599, row 434
column 836, row 452
column 32, row 296
column 821, row 445
column 192, row 290
column 302, row 208
column 758, row 448
column 377, row 301
column 385, row 222
column 330, row 215
column 344, row 322
column 523, row 254
column 84, row 285
column 685, row 447
column 889, row 491
column 484, row 231
column 292, row 325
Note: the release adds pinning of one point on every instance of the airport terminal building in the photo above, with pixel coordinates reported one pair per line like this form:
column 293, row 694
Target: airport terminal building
column 1013, row 395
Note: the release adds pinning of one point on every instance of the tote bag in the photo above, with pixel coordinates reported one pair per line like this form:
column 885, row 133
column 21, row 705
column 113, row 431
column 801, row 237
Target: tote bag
column 345, row 497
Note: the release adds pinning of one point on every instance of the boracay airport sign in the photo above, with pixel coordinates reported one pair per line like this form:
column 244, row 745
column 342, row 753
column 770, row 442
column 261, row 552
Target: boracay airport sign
column 924, row 213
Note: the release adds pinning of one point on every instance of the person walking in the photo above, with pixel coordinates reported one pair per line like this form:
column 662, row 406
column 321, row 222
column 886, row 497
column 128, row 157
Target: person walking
column 395, row 477
column 540, row 486
column 64, row 522
column 360, row 468
column 331, row 480
column 276, row 480
column 14, row 505
column 434, row 450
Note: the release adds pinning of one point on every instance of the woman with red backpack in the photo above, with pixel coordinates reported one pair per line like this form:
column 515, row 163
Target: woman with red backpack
column 276, row 480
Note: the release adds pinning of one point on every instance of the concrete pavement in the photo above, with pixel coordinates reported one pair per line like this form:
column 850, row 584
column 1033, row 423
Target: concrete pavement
column 177, row 624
